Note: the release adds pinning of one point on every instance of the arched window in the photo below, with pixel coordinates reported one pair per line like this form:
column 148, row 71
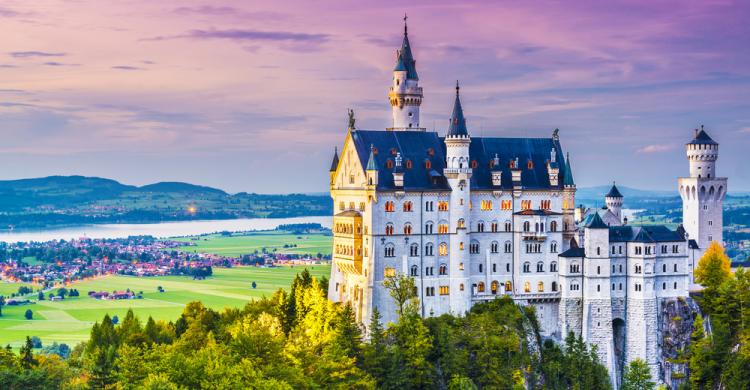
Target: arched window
column 553, row 266
column 540, row 267
column 428, row 228
column 414, row 250
column 494, row 286
column 408, row 206
column 407, row 229
column 461, row 224
column 388, row 229
column 389, row 206
column 494, row 247
column 414, row 270
column 554, row 286
column 540, row 287
column 480, row 287
column 480, row 227
column 443, row 270
column 526, row 226
column 474, row 247
column 508, row 226
column 526, row 287
column 443, row 249
column 508, row 286
column 390, row 250
column 553, row 247
column 429, row 249
column 527, row 267
column 508, row 247
column 553, row 226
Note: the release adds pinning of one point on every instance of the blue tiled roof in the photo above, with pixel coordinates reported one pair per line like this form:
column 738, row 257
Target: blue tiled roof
column 651, row 233
column 407, row 58
column 335, row 162
column 596, row 222
column 568, row 174
column 419, row 147
column 573, row 252
column 702, row 138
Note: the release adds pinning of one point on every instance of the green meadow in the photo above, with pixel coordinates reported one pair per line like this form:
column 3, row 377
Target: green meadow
column 248, row 243
column 70, row 320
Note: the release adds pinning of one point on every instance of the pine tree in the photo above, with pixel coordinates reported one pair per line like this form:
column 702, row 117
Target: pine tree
column 26, row 357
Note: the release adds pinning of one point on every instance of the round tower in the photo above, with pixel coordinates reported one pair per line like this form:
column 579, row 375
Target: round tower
column 613, row 200
column 405, row 94
column 458, row 173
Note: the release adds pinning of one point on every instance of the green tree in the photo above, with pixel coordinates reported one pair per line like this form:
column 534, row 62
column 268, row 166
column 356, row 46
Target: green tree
column 2, row 303
column 28, row 314
column 637, row 376
column 403, row 290
column 714, row 268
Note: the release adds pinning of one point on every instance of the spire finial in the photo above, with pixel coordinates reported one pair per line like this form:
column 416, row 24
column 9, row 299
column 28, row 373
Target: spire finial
column 458, row 87
column 406, row 32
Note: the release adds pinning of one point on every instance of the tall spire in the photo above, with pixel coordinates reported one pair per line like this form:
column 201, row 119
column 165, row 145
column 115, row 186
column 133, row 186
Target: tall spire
column 458, row 122
column 568, row 178
column 405, row 59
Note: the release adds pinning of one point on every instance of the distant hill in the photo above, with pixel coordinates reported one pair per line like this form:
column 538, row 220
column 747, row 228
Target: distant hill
column 598, row 192
column 173, row 186
column 72, row 200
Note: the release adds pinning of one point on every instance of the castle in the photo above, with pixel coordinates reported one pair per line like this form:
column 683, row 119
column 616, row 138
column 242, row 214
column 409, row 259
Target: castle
column 471, row 218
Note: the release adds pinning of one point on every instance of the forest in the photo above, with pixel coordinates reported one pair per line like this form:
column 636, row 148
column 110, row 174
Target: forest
column 299, row 339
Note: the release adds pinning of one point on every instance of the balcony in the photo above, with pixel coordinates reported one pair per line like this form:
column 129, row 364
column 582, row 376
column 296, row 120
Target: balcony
column 534, row 236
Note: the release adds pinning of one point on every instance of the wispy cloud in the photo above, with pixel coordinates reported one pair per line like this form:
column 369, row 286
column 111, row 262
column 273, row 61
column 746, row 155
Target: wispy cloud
column 206, row 10
column 55, row 63
column 248, row 35
column 32, row 53
column 655, row 148
column 126, row 67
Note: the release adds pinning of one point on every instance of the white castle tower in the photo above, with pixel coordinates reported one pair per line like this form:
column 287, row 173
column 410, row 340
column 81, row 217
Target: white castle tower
column 613, row 200
column 458, row 173
column 405, row 94
column 702, row 194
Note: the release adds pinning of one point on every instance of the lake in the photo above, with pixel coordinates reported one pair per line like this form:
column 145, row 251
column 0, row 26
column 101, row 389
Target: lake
column 160, row 230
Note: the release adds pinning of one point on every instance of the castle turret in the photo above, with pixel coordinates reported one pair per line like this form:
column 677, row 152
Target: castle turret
column 702, row 195
column 371, row 171
column 405, row 94
column 597, row 303
column 569, row 203
column 458, row 172
column 613, row 200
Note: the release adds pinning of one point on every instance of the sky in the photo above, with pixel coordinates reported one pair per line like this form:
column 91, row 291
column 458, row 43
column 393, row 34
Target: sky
column 253, row 95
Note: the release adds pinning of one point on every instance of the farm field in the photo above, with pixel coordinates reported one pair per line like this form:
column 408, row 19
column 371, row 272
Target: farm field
column 9, row 288
column 248, row 243
column 69, row 321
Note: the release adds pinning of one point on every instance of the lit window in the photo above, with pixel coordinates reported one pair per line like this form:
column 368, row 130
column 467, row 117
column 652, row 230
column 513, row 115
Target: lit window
column 443, row 249
column 486, row 205
column 389, row 272
column 526, row 287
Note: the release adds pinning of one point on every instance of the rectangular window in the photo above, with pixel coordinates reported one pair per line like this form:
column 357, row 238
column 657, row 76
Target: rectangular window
column 444, row 290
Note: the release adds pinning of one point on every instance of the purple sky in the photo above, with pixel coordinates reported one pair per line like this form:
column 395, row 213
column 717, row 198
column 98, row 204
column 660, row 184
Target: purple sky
column 252, row 96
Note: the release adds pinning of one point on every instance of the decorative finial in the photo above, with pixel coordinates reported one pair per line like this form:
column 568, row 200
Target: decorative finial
column 457, row 87
column 556, row 134
column 406, row 32
column 701, row 127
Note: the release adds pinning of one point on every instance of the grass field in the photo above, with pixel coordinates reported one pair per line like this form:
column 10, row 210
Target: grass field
column 9, row 288
column 248, row 243
column 69, row 321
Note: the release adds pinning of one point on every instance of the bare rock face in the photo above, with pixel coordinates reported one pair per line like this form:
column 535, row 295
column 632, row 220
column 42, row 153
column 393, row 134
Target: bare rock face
column 676, row 319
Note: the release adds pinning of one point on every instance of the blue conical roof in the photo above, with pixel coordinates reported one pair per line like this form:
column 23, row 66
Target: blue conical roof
column 568, row 175
column 702, row 138
column 335, row 162
column 614, row 192
column 458, row 122
column 405, row 60
column 596, row 223
column 371, row 164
